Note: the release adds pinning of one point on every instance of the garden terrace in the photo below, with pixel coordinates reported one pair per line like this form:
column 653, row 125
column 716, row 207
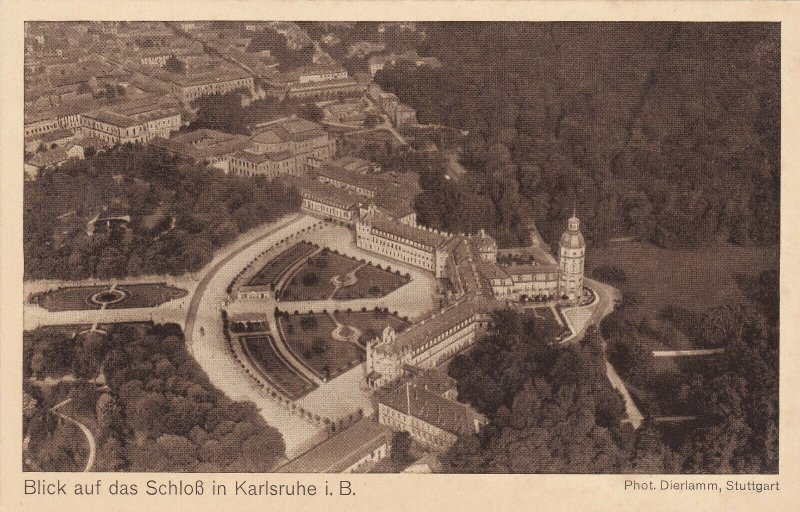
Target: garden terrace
column 274, row 269
column 309, row 337
column 273, row 367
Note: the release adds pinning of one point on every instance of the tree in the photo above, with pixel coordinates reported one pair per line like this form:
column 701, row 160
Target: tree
column 175, row 65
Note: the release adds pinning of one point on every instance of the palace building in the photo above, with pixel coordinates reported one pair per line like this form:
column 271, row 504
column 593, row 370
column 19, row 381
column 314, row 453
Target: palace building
column 411, row 244
column 401, row 367
column 426, row 344
column 136, row 121
column 425, row 406
column 283, row 147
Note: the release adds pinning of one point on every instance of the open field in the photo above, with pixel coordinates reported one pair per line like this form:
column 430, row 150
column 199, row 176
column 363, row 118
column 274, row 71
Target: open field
column 371, row 282
column 697, row 280
column 273, row 270
column 657, row 279
column 312, row 281
column 371, row 323
column 309, row 337
column 262, row 352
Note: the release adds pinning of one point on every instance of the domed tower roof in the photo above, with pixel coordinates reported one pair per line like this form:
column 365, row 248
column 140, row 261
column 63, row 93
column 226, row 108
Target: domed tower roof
column 572, row 237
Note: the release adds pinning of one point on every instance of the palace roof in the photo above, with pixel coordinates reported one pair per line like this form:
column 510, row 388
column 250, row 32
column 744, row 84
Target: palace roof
column 413, row 399
column 431, row 327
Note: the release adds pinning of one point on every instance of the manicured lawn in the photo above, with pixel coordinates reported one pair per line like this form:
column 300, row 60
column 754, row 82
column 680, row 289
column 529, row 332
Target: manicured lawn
column 274, row 368
column 74, row 298
column 78, row 298
column 272, row 271
column 147, row 295
column 309, row 338
column 372, row 282
column 371, row 323
column 312, row 281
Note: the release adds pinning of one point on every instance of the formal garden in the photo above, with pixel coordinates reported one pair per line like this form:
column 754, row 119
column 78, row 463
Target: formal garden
column 310, row 338
column 265, row 356
column 372, row 282
column 78, row 298
column 371, row 324
column 275, row 268
column 314, row 280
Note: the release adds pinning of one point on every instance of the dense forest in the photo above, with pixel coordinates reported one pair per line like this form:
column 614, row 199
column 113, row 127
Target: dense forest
column 552, row 410
column 180, row 212
column 734, row 395
column 667, row 132
column 158, row 412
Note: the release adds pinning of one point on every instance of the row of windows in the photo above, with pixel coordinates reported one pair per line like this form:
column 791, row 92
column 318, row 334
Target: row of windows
column 324, row 208
column 396, row 252
column 441, row 439
column 434, row 354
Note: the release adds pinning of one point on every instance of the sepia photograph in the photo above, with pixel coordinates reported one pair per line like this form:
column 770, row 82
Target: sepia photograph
column 272, row 246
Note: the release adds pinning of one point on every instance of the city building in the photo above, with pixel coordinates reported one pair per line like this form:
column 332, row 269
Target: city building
column 268, row 165
column 221, row 80
column 51, row 158
column 211, row 147
column 362, row 185
column 425, row 407
column 399, row 113
column 358, row 165
column 299, row 136
column 326, row 199
column 136, row 121
column 58, row 137
column 286, row 146
column 313, row 82
column 378, row 62
column 357, row 448
column 348, row 112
